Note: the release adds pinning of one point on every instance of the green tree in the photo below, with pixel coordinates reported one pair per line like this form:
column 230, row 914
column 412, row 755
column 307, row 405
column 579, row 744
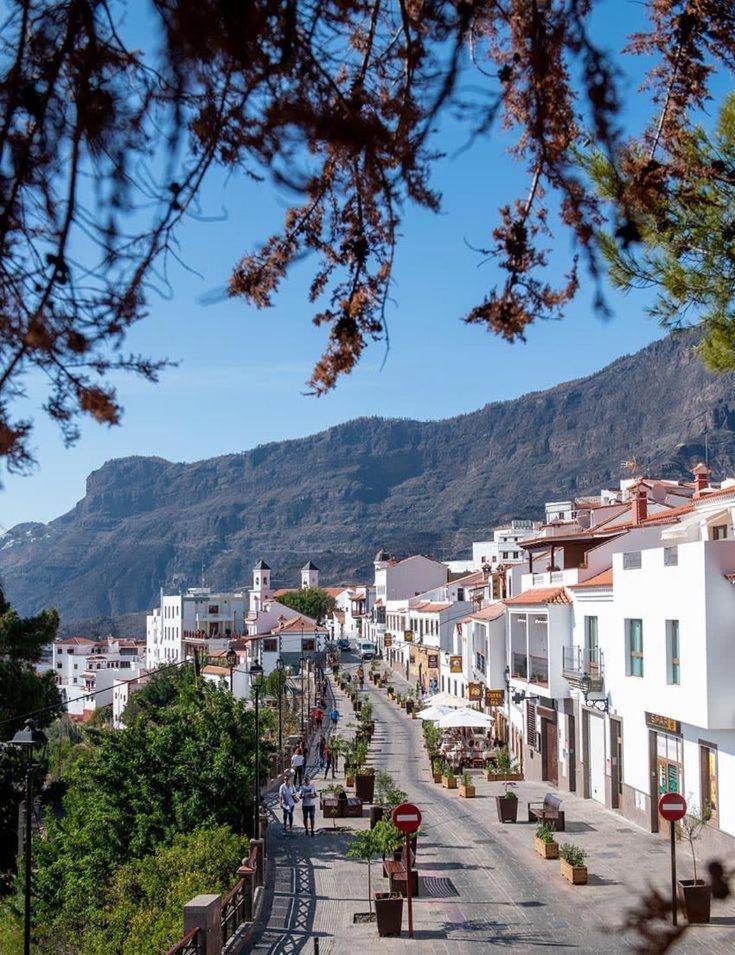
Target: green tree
column 681, row 241
column 183, row 765
column 313, row 602
column 141, row 909
column 22, row 691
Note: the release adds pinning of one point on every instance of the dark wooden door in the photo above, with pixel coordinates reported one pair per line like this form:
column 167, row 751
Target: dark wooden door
column 551, row 752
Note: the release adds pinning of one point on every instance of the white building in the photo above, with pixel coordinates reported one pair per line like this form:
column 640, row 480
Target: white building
column 86, row 670
column 504, row 547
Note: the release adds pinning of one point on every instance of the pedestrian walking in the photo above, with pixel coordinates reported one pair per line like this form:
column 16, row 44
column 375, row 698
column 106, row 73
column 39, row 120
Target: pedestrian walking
column 297, row 765
column 330, row 759
column 287, row 800
column 322, row 749
column 334, row 717
column 308, row 804
column 318, row 715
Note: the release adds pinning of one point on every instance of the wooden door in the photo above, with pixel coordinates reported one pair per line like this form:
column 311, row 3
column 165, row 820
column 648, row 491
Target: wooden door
column 616, row 763
column 551, row 752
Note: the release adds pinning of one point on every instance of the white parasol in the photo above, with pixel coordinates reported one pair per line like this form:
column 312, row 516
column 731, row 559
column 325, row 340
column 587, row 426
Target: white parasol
column 446, row 699
column 433, row 712
column 465, row 718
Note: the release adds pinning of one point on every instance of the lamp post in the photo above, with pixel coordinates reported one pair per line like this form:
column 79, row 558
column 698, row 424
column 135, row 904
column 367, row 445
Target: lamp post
column 256, row 676
column 231, row 658
column 302, row 664
column 28, row 739
column 279, row 669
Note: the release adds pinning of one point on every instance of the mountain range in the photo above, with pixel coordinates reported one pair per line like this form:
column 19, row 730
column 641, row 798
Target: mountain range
column 338, row 496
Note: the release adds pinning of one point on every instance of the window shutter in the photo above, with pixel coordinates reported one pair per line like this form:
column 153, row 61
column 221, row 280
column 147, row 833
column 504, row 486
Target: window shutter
column 531, row 724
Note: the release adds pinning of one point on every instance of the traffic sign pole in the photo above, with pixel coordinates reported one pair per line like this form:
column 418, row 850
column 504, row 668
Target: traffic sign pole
column 673, row 806
column 409, row 886
column 672, row 828
column 407, row 819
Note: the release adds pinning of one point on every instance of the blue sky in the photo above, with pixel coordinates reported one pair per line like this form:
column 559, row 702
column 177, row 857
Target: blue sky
column 240, row 381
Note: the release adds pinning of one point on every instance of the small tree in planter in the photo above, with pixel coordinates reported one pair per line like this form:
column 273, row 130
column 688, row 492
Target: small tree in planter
column 366, row 845
column 449, row 780
column 437, row 770
column 544, row 842
column 695, row 894
column 572, row 864
column 466, row 789
column 506, row 767
column 507, row 804
column 432, row 736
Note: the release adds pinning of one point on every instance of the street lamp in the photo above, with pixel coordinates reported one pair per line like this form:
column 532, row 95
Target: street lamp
column 280, row 665
column 231, row 658
column 28, row 739
column 302, row 664
column 256, row 677
column 585, row 685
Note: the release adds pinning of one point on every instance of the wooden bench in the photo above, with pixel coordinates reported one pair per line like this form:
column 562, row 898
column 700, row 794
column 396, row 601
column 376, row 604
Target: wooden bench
column 395, row 871
column 549, row 810
column 353, row 807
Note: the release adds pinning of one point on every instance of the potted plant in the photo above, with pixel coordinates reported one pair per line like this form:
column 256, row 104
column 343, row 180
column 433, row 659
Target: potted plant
column 437, row 770
column 449, row 780
column 365, row 783
column 466, row 789
column 506, row 767
column 507, row 804
column 695, row 894
column 390, row 691
column 365, row 845
column 544, row 842
column 572, row 865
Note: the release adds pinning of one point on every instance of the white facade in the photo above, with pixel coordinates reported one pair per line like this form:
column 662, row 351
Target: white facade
column 86, row 670
column 504, row 547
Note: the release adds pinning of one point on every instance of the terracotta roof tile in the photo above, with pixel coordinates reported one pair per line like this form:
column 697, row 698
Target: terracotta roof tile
column 539, row 595
column 488, row 613
column 603, row 579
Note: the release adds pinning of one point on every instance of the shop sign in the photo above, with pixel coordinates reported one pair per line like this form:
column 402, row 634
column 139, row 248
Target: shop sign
column 433, row 661
column 665, row 723
column 408, row 636
column 455, row 664
column 474, row 691
column 494, row 697
column 388, row 640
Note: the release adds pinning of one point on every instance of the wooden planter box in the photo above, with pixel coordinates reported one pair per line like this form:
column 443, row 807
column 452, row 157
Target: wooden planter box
column 576, row 874
column 349, row 780
column 449, row 782
column 437, row 777
column 507, row 808
column 547, row 850
column 504, row 777
column 467, row 791
column 365, row 786
column 330, row 807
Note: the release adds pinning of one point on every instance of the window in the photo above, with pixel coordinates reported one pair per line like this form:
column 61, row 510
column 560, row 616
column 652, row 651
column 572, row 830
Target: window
column 460, row 593
column 213, row 609
column 308, row 644
column 719, row 532
column 480, row 662
column 59, row 666
column 673, row 666
column 632, row 560
column 270, row 645
column 708, row 770
column 504, row 555
column 591, row 640
column 671, row 556
column 634, row 641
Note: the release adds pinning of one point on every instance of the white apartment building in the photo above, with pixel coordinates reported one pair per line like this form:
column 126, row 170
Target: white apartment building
column 504, row 546
column 86, row 670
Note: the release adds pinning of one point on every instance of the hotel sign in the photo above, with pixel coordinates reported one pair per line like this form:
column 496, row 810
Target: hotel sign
column 388, row 640
column 432, row 661
column 494, row 697
column 474, row 691
column 455, row 664
column 408, row 636
column 665, row 723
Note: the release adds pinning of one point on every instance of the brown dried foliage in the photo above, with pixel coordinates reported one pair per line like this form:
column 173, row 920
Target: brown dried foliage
column 336, row 99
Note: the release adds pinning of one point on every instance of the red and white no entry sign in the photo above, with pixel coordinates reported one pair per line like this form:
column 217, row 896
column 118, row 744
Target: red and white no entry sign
column 672, row 806
column 407, row 817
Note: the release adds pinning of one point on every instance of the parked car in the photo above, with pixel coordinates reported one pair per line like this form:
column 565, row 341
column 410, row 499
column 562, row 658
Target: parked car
column 366, row 651
column 343, row 644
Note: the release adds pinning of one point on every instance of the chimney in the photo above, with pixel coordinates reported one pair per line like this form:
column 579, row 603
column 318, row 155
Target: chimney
column 701, row 477
column 640, row 503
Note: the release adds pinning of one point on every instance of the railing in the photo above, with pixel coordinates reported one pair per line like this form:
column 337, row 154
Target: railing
column 539, row 668
column 236, row 909
column 188, row 945
column 557, row 576
column 519, row 666
column 579, row 663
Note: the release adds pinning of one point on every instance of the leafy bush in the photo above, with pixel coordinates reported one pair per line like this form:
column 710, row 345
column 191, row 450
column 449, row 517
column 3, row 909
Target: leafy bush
column 545, row 832
column 572, row 854
column 448, row 772
column 437, row 766
column 466, row 778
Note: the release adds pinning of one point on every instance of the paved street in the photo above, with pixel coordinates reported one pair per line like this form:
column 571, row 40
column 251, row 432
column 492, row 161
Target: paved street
column 481, row 883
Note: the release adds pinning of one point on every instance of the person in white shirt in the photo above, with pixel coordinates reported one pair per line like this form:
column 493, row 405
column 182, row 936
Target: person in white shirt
column 308, row 795
column 297, row 765
column 287, row 800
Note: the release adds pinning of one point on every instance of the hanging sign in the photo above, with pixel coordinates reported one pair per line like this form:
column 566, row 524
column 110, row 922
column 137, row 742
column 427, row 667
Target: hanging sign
column 408, row 636
column 474, row 691
column 433, row 661
column 388, row 640
column 494, row 697
column 455, row 664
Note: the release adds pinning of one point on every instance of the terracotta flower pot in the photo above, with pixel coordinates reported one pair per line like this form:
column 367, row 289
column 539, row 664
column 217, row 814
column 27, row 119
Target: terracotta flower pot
column 507, row 807
column 389, row 913
column 547, row 850
column 696, row 898
column 576, row 874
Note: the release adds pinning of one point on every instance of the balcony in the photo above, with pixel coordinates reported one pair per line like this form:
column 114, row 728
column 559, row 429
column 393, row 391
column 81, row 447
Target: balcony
column 579, row 663
column 538, row 666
